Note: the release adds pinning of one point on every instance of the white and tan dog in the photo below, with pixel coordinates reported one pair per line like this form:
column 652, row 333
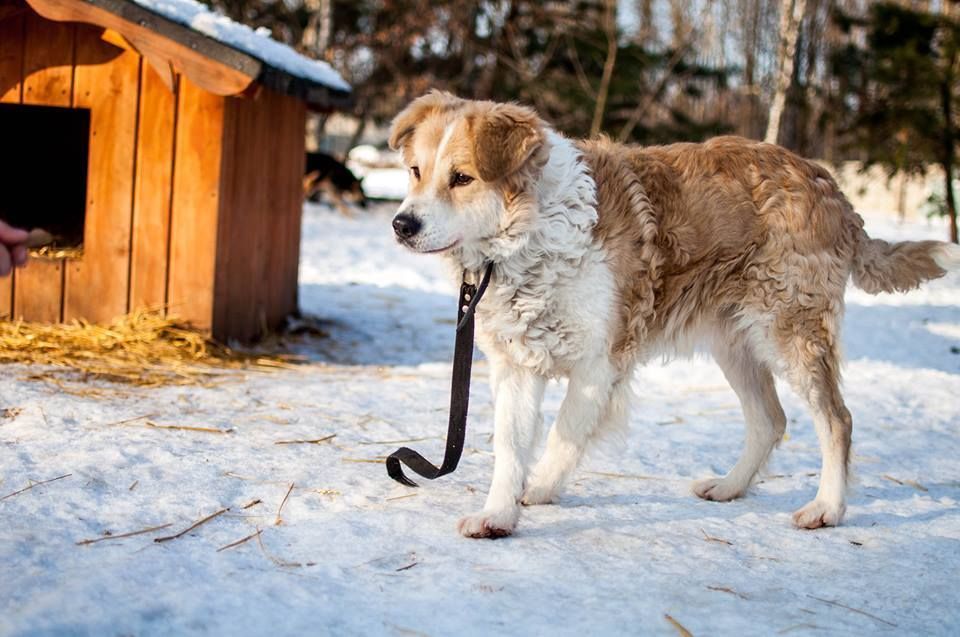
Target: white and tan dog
column 606, row 255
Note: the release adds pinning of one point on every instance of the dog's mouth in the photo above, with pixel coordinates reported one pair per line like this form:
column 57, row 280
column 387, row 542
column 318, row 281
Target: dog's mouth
column 439, row 250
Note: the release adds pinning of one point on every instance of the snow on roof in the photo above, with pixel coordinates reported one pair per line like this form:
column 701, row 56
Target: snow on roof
column 258, row 44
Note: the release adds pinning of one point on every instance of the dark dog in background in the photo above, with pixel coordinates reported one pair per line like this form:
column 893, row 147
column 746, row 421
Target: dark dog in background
column 326, row 175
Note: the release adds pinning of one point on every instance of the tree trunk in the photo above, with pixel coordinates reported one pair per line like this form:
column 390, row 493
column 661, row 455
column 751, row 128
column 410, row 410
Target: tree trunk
column 610, row 26
column 316, row 35
column 946, row 104
column 647, row 35
column 791, row 14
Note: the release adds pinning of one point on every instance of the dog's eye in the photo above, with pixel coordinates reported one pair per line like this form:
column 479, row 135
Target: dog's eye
column 416, row 172
column 459, row 179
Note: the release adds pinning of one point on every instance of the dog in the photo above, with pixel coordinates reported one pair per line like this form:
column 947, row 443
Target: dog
column 607, row 255
column 324, row 173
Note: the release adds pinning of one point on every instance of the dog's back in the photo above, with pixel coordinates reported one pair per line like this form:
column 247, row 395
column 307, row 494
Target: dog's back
column 737, row 223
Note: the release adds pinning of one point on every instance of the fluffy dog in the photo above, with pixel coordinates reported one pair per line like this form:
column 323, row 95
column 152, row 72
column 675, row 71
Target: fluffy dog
column 607, row 255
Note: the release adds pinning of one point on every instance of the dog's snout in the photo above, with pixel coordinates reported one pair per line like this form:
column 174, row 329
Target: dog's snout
column 406, row 225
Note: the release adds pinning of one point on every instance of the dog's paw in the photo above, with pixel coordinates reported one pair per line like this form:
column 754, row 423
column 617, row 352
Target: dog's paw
column 717, row 489
column 818, row 513
column 537, row 494
column 489, row 524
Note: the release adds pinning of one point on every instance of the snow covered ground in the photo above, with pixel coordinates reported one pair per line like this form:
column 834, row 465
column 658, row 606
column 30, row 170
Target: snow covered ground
column 354, row 553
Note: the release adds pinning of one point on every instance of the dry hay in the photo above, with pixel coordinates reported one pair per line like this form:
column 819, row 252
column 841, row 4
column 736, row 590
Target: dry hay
column 143, row 348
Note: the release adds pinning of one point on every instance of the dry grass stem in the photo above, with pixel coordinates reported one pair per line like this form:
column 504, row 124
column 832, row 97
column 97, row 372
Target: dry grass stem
column 275, row 560
column 306, row 442
column 192, row 526
column 240, row 541
column 123, row 535
column 401, row 497
column 396, row 442
column 34, row 485
column 710, row 538
column 133, row 486
column 252, row 503
column 366, row 460
column 797, row 627
column 726, row 589
column 909, row 483
column 278, row 521
column 852, row 609
column 683, row 632
column 631, row 476
column 143, row 348
column 209, row 430
column 129, row 420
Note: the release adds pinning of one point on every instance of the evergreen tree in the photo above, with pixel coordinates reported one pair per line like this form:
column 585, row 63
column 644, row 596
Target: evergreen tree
column 898, row 92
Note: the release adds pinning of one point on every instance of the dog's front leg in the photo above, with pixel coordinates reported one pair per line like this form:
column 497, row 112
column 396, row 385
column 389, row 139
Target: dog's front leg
column 585, row 408
column 517, row 421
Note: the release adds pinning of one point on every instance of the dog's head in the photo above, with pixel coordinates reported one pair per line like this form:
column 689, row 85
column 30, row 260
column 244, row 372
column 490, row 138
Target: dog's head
column 465, row 160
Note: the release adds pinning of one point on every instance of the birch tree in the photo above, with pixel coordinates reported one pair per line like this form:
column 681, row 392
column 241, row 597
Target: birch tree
column 791, row 14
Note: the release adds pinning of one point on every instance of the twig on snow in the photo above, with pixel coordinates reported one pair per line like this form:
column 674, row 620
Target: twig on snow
column 275, row 560
column 123, row 535
column 680, row 628
column 305, row 442
column 909, row 483
column 851, row 608
column 192, row 526
column 35, row 484
column 207, row 430
column 719, row 540
column 278, row 520
column 240, row 541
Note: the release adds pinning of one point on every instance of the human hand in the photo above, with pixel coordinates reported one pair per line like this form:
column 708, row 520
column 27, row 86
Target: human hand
column 13, row 248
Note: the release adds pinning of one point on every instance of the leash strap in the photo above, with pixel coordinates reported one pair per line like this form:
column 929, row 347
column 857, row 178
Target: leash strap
column 459, row 394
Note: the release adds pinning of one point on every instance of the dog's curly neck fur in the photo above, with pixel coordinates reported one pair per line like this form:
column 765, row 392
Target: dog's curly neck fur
column 545, row 243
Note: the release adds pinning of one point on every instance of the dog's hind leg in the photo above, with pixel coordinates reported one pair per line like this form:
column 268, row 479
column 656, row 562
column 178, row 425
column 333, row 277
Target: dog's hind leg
column 590, row 398
column 765, row 421
column 810, row 348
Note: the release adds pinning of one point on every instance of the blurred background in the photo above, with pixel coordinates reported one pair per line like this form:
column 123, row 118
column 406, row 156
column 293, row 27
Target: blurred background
column 869, row 87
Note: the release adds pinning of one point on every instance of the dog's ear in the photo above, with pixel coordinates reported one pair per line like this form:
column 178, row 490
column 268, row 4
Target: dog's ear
column 403, row 125
column 504, row 139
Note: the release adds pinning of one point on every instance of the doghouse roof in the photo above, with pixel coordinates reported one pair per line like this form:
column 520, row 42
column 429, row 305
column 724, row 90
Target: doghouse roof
column 220, row 55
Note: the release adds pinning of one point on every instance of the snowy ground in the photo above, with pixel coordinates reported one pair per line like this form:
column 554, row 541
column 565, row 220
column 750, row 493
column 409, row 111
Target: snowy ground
column 356, row 553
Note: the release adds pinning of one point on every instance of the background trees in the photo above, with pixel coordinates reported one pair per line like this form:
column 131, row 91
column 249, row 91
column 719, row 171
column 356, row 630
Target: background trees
column 836, row 79
column 898, row 103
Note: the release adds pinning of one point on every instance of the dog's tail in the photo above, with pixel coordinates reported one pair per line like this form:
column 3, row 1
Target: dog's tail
column 880, row 266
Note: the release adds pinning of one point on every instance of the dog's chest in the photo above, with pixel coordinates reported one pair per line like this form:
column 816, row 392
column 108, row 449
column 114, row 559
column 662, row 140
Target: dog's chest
column 548, row 322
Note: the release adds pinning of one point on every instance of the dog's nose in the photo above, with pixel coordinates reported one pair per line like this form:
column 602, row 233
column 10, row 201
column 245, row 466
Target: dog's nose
column 406, row 225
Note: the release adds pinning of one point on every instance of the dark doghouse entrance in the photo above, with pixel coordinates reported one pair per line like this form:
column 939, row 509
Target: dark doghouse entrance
column 43, row 169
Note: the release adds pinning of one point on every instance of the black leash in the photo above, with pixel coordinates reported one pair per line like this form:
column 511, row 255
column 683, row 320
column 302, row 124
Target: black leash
column 459, row 394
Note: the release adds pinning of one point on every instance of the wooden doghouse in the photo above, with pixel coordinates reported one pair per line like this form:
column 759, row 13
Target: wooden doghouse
column 165, row 151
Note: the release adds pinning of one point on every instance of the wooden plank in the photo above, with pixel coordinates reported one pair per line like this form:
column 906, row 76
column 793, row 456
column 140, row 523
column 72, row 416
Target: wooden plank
column 47, row 80
column 151, row 203
column 47, row 62
column 11, row 66
column 37, row 294
column 11, row 58
column 260, row 215
column 289, row 210
column 156, row 39
column 239, row 309
column 97, row 283
column 196, row 204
